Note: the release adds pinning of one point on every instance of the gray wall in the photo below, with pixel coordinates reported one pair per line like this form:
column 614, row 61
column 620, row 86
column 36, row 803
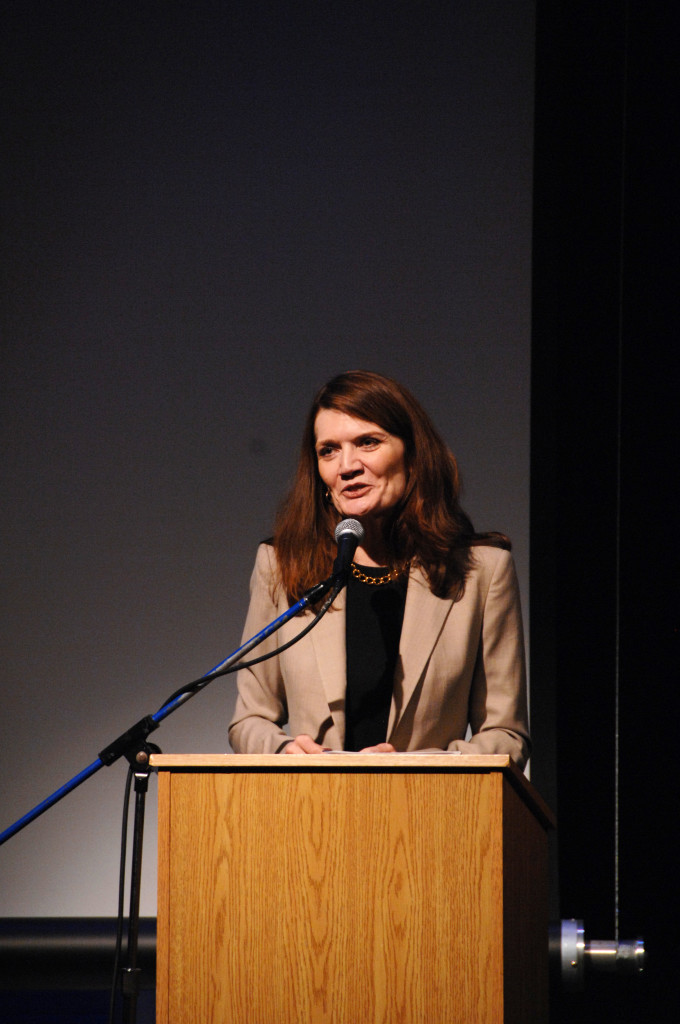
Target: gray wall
column 210, row 211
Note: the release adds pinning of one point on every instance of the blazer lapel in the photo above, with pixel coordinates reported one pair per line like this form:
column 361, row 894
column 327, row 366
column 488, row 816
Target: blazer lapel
column 424, row 618
column 328, row 638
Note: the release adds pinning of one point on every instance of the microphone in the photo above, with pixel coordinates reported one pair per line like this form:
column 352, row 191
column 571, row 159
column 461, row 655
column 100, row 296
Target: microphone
column 349, row 533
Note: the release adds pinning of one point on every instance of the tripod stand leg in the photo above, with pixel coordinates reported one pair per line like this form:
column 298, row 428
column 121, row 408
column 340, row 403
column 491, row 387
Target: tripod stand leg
column 131, row 972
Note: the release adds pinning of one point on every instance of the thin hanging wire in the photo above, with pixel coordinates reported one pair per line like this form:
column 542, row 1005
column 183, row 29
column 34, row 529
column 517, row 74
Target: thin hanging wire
column 619, row 443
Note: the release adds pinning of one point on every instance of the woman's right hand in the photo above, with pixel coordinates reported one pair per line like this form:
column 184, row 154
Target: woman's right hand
column 303, row 744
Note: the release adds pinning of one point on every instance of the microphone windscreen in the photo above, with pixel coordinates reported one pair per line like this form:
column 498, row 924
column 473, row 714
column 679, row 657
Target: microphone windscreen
column 346, row 526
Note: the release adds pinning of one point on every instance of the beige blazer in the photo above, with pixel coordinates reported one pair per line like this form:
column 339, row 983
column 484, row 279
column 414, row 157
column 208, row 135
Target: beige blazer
column 461, row 662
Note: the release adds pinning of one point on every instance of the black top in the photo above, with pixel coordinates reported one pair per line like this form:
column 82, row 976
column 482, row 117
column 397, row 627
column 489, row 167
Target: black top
column 373, row 627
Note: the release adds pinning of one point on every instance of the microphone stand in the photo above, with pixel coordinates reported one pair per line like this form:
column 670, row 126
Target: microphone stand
column 133, row 745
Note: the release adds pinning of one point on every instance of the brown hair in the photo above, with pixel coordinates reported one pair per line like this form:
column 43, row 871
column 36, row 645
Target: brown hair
column 428, row 525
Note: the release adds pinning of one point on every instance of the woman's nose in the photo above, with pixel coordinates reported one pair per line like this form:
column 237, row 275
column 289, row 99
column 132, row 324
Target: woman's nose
column 349, row 460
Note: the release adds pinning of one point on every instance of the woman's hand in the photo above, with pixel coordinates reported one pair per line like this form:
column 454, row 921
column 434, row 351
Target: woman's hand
column 303, row 744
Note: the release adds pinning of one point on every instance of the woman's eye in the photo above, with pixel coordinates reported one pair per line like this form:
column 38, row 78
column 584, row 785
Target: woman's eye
column 324, row 452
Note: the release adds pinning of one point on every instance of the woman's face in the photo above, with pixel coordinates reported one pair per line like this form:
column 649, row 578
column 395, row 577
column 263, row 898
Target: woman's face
column 362, row 466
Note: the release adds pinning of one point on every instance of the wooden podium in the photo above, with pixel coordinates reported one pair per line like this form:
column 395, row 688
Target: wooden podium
column 350, row 889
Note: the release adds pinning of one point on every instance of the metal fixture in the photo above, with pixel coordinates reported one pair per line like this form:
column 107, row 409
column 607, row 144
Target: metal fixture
column 569, row 950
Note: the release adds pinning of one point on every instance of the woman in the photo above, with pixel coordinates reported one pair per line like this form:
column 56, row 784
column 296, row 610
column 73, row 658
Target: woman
column 426, row 640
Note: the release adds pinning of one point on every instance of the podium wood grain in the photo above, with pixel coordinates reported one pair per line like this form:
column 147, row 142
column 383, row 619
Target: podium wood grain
column 347, row 895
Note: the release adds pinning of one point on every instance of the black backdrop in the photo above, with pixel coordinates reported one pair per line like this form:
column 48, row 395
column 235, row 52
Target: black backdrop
column 604, row 568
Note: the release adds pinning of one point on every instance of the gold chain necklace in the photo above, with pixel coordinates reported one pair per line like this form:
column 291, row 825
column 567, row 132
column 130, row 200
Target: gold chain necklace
column 378, row 581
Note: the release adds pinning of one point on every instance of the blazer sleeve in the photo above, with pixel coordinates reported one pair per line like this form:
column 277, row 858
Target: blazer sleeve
column 261, row 712
column 497, row 709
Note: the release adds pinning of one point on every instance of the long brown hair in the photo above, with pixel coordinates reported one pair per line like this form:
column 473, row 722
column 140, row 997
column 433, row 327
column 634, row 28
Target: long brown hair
column 428, row 526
